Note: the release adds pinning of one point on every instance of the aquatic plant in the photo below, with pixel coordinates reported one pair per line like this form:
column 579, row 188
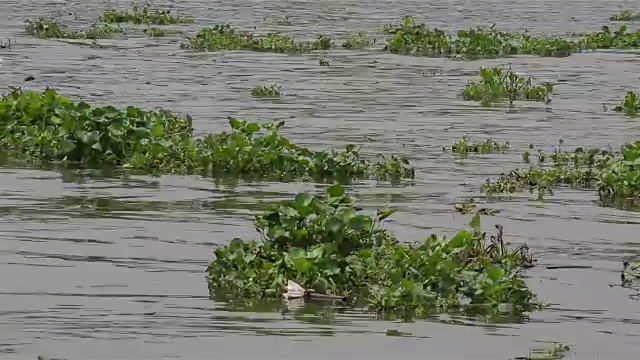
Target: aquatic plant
column 357, row 41
column 630, row 105
column 273, row 90
column 464, row 146
column 411, row 38
column 625, row 15
column 469, row 207
column 580, row 168
column 46, row 127
column 555, row 351
column 328, row 243
column 497, row 85
column 142, row 14
column 158, row 32
column 50, row 29
column 224, row 37
column 619, row 39
column 619, row 180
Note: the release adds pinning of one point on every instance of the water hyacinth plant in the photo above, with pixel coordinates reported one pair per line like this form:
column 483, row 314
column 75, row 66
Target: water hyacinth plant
column 630, row 105
column 273, row 90
column 500, row 85
column 464, row 146
column 327, row 243
column 625, row 15
column 411, row 38
column 224, row 37
column 50, row 29
column 579, row 168
column 142, row 14
column 46, row 127
column 357, row 41
column 615, row 176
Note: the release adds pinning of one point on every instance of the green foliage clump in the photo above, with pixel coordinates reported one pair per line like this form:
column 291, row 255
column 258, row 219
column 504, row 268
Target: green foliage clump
column 620, row 180
column 142, row 14
column 50, row 29
column 625, row 15
column 580, row 168
column 464, row 146
column 46, row 127
column 497, row 85
column 326, row 242
column 273, row 90
column 411, row 38
column 224, row 37
column 619, row 39
column 630, row 104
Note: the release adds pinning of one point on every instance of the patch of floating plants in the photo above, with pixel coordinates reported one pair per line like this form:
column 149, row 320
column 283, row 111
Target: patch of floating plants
column 108, row 24
column 224, row 37
column 46, row 127
column 465, row 146
column 50, row 29
column 504, row 85
column 630, row 105
column 469, row 206
column 554, row 351
column 267, row 91
column 143, row 14
column 411, row 38
column 625, row 15
column 327, row 243
column 615, row 175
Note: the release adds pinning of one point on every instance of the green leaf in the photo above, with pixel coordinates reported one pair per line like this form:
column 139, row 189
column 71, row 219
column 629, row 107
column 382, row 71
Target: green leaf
column 303, row 200
column 334, row 225
column 67, row 146
column 359, row 222
column 383, row 214
column 336, row 190
column 252, row 128
column 475, row 222
column 495, row 273
column 235, row 123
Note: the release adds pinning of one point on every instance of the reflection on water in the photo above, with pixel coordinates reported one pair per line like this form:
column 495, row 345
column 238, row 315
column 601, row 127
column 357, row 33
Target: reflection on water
column 96, row 267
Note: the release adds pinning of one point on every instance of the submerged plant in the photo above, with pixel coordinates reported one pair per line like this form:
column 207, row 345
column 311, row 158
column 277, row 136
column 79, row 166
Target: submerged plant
column 497, row 85
column 273, row 90
column 142, row 14
column 46, row 127
column 326, row 243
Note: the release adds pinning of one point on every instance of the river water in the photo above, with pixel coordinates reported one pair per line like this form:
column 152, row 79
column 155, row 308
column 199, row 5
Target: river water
column 104, row 268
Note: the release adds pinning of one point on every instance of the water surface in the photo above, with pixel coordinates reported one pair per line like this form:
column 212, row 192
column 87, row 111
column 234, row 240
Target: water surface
column 96, row 268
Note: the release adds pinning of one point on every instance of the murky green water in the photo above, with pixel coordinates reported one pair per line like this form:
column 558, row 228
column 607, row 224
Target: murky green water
column 94, row 268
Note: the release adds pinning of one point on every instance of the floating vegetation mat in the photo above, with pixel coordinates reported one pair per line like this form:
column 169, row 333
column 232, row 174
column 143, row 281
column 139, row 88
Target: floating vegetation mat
column 46, row 127
column 327, row 243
